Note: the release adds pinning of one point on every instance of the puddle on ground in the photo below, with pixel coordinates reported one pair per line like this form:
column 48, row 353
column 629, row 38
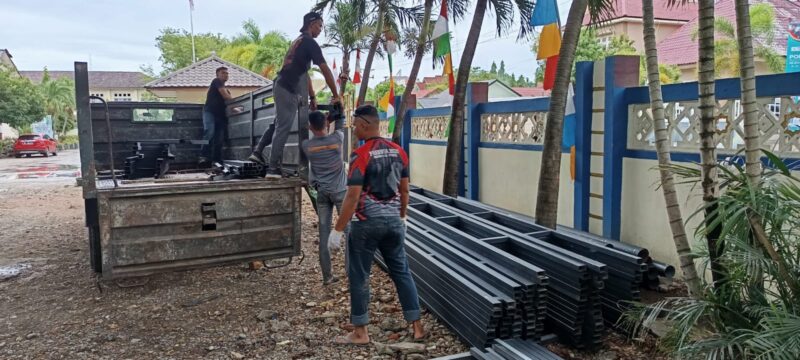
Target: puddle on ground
column 45, row 170
column 12, row 271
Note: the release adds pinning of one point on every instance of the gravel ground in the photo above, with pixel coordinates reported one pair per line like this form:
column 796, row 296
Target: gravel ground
column 53, row 307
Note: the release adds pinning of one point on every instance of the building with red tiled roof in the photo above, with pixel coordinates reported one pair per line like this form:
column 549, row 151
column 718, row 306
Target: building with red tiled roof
column 190, row 84
column 531, row 91
column 627, row 20
column 681, row 47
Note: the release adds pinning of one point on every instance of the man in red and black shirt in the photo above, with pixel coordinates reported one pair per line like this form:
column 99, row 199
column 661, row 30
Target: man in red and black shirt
column 377, row 194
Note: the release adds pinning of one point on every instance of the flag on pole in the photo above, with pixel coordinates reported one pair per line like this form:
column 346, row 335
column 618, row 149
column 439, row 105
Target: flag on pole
column 441, row 46
column 568, row 135
column 546, row 14
column 357, row 75
column 391, row 48
column 549, row 42
column 336, row 73
column 550, row 72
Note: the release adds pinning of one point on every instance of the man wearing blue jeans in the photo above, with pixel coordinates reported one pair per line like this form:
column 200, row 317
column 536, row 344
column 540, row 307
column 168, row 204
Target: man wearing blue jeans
column 328, row 177
column 214, row 119
column 377, row 194
column 293, row 93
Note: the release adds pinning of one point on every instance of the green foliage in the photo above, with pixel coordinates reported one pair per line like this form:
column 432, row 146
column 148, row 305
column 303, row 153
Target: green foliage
column 478, row 74
column 726, row 47
column 259, row 52
column 6, row 147
column 59, row 101
column 591, row 49
column 21, row 103
column 68, row 139
column 755, row 312
column 176, row 47
column 383, row 87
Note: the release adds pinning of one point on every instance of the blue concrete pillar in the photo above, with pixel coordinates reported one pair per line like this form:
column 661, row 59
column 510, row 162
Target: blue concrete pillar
column 477, row 94
column 620, row 72
column 584, row 71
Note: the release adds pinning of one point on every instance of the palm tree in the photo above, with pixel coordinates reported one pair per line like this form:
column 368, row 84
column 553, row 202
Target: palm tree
column 347, row 32
column 260, row 53
column 420, row 47
column 59, row 100
column 662, row 138
column 708, row 141
column 752, row 135
column 504, row 12
column 386, row 15
column 762, row 24
column 547, row 196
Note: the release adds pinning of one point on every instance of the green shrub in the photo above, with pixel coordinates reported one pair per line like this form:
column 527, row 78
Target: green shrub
column 68, row 139
column 6, row 145
column 755, row 312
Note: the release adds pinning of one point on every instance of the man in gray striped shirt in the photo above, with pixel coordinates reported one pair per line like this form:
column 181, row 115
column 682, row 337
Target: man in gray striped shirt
column 328, row 177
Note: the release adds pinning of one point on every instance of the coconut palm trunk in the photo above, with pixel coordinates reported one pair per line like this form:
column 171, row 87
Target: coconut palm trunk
column 456, row 139
column 752, row 135
column 373, row 48
column 345, row 70
column 662, row 150
column 550, row 171
column 708, row 140
column 412, row 77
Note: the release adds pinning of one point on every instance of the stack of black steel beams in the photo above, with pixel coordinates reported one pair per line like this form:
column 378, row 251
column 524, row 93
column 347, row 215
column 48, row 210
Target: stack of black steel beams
column 513, row 349
column 574, row 301
column 481, row 292
column 243, row 169
column 626, row 271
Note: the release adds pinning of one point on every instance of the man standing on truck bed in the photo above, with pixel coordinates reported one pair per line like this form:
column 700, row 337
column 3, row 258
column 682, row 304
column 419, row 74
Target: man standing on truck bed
column 214, row 119
column 327, row 176
column 292, row 91
column 377, row 194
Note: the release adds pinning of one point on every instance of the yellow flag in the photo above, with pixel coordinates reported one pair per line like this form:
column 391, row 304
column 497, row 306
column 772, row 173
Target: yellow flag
column 383, row 103
column 549, row 42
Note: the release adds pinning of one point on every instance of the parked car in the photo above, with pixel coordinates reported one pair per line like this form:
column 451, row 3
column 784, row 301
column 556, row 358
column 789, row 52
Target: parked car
column 35, row 144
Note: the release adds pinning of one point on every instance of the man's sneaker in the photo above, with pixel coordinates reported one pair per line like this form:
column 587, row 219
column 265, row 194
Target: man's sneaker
column 274, row 174
column 256, row 157
column 332, row 280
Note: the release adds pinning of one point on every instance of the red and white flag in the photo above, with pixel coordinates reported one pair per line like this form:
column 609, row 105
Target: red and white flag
column 357, row 75
column 336, row 73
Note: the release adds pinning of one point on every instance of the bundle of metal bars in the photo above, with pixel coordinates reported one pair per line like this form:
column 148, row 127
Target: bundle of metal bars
column 629, row 267
column 575, row 281
column 479, row 291
column 242, row 169
column 514, row 349
column 626, row 271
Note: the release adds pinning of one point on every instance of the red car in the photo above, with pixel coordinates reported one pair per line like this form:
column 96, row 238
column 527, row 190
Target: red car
column 35, row 144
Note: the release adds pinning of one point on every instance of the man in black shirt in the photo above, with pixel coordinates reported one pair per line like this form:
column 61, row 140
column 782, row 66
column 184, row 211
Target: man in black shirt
column 214, row 118
column 292, row 91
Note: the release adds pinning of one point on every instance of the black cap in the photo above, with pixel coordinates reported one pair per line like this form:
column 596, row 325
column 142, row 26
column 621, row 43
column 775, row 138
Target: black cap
column 308, row 19
column 366, row 110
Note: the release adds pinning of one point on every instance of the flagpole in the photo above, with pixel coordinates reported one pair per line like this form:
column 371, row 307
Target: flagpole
column 191, row 27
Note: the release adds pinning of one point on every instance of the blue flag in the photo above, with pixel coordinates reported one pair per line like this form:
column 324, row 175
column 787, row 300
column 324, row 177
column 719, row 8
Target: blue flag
column 545, row 12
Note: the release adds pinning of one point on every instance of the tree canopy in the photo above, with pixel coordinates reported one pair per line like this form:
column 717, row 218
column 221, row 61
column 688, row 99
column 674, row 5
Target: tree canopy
column 252, row 49
column 478, row 74
column 176, row 47
column 21, row 103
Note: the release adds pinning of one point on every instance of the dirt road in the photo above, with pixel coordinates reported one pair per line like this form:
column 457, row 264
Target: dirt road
column 52, row 306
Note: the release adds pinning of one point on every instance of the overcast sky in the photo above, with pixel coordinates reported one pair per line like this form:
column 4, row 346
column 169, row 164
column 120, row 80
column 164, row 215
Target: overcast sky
column 120, row 34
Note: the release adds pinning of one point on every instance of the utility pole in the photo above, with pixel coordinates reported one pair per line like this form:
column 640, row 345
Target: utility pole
column 191, row 27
